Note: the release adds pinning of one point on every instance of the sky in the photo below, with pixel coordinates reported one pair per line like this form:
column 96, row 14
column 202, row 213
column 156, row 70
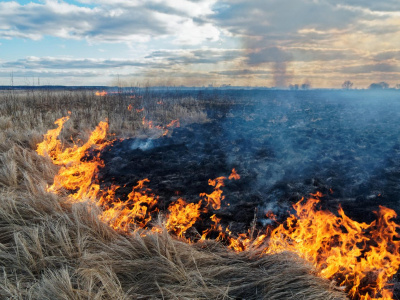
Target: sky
column 200, row 42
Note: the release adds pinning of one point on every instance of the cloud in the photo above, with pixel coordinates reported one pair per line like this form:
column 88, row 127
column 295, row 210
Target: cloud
column 371, row 68
column 72, row 63
column 49, row 74
column 309, row 54
column 373, row 5
column 109, row 21
column 276, row 19
column 242, row 72
column 195, row 56
column 387, row 55
column 271, row 54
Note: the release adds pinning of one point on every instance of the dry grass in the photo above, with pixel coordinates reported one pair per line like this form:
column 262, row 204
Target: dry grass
column 50, row 249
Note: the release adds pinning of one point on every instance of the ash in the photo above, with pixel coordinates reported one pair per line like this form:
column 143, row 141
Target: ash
column 284, row 144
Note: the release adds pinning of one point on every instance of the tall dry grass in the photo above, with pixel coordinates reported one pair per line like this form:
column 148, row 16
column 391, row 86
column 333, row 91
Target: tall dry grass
column 51, row 249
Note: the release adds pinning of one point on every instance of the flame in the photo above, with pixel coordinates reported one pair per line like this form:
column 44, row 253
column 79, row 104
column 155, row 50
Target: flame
column 361, row 257
column 234, row 175
column 146, row 123
column 130, row 107
column 216, row 196
column 51, row 145
column 182, row 216
column 139, row 110
column 136, row 210
column 75, row 174
column 102, row 93
column 174, row 123
column 215, row 226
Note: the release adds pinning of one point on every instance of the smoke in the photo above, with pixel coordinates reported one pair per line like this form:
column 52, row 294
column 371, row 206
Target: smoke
column 277, row 58
column 280, row 75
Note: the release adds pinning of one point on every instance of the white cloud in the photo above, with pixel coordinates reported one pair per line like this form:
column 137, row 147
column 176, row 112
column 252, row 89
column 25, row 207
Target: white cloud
column 40, row 63
column 110, row 21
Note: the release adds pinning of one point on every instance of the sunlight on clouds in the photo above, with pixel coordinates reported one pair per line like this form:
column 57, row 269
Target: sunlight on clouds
column 220, row 41
column 192, row 34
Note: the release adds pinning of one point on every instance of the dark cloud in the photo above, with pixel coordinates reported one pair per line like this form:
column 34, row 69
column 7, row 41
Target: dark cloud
column 308, row 55
column 371, row 68
column 278, row 32
column 275, row 18
column 242, row 72
column 271, row 54
column 386, row 55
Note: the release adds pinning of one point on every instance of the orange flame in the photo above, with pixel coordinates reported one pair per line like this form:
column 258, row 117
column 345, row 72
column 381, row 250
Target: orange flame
column 362, row 257
column 102, row 93
column 215, row 197
column 74, row 174
column 136, row 210
column 182, row 216
column 51, row 145
column 234, row 175
column 130, row 107
column 147, row 124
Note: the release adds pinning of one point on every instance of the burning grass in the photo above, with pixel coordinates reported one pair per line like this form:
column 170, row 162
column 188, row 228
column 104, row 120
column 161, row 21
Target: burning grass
column 73, row 240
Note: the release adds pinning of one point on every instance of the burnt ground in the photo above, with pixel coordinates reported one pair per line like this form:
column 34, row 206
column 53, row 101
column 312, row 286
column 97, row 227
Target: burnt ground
column 285, row 145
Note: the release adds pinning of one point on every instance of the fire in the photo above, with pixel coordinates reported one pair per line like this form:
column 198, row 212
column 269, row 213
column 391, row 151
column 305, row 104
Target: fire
column 136, row 210
column 74, row 174
column 216, row 196
column 146, row 123
column 234, row 175
column 102, row 93
column 182, row 216
column 360, row 257
column 130, row 107
column 51, row 145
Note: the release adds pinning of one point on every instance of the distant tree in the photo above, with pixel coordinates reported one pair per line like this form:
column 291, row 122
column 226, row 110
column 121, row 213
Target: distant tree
column 294, row 87
column 379, row 86
column 306, row 86
column 347, row 85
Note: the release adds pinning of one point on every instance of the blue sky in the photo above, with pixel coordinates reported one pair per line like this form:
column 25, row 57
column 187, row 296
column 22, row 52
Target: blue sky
column 200, row 42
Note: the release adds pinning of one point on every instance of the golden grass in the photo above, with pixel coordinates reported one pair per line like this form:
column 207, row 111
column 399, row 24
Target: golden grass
column 51, row 249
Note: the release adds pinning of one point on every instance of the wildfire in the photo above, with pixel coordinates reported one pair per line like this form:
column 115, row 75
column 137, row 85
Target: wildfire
column 234, row 175
column 182, row 216
column 360, row 257
column 75, row 173
column 136, row 210
column 102, row 93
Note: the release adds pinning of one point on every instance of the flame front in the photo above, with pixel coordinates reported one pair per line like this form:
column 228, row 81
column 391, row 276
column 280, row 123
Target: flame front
column 182, row 216
column 101, row 94
column 360, row 257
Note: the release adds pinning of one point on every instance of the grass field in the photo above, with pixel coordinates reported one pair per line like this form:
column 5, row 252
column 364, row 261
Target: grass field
column 52, row 249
